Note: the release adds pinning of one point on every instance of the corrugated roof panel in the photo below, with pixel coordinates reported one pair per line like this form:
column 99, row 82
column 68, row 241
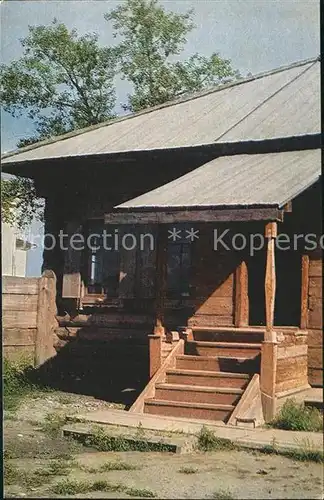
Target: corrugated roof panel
column 241, row 180
column 202, row 119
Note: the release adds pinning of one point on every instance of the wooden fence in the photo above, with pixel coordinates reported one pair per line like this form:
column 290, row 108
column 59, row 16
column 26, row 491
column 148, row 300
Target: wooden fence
column 28, row 317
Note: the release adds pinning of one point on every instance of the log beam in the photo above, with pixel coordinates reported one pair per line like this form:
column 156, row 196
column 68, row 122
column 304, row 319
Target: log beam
column 269, row 348
column 190, row 215
column 161, row 279
column 304, row 291
column 241, row 295
column 270, row 280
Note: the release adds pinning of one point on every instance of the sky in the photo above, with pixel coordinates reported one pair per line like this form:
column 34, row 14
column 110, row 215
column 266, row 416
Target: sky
column 256, row 35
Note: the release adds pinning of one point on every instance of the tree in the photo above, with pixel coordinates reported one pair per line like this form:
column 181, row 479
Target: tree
column 62, row 82
column 19, row 203
column 151, row 38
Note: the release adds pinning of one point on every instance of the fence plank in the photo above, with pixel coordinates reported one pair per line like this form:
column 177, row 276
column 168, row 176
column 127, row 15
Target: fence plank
column 46, row 322
column 15, row 285
column 18, row 336
column 19, row 319
column 18, row 302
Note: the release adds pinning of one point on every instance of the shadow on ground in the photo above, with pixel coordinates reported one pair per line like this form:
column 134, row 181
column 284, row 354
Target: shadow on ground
column 115, row 371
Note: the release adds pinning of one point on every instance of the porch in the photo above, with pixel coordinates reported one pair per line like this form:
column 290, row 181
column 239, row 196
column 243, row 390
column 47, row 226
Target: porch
column 227, row 348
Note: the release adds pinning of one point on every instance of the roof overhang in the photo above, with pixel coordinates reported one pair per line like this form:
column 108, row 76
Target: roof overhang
column 199, row 215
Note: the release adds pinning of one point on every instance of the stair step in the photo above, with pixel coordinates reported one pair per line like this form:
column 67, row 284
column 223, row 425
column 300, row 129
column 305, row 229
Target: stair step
column 219, row 363
column 188, row 410
column 207, row 378
column 198, row 394
column 228, row 349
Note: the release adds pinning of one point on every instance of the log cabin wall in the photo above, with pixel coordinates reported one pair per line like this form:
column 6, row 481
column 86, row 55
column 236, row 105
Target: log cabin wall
column 315, row 321
column 307, row 216
column 292, row 360
column 213, row 282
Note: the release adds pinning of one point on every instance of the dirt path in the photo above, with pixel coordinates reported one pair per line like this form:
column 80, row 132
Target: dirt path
column 37, row 459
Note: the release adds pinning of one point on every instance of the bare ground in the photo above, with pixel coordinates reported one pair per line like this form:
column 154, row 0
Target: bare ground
column 37, row 458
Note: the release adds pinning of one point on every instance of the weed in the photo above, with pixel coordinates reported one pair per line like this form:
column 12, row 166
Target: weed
column 10, row 474
column 305, row 452
column 59, row 467
column 297, row 417
column 102, row 441
column 188, row 470
column 19, row 381
column 72, row 487
column 222, row 495
column 142, row 493
column 64, row 399
column 13, row 475
column 16, row 382
column 108, row 466
column 53, row 424
column 207, row 441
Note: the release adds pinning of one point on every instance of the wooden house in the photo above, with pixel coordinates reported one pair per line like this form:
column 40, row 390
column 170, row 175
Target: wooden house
column 229, row 329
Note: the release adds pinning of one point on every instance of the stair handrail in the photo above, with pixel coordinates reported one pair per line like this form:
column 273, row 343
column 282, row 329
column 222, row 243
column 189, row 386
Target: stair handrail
column 158, row 377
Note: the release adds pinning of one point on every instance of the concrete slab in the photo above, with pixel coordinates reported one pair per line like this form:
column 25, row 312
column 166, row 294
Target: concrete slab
column 154, row 422
column 250, row 438
column 134, row 438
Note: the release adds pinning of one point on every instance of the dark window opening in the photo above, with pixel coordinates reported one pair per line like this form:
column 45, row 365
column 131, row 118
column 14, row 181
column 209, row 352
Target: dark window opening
column 178, row 265
column 288, row 288
column 102, row 264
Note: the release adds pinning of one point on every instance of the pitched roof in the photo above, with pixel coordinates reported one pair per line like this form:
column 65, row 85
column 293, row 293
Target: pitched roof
column 270, row 179
column 280, row 103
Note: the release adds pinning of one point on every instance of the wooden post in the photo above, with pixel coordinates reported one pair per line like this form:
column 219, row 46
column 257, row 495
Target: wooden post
column 270, row 280
column 241, row 295
column 304, row 291
column 46, row 318
column 155, row 353
column 269, row 346
column 161, row 278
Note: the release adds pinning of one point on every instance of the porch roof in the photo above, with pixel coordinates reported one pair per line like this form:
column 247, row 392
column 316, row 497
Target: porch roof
column 239, row 187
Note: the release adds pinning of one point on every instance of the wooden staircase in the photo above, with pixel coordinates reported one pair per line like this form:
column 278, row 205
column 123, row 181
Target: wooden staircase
column 208, row 380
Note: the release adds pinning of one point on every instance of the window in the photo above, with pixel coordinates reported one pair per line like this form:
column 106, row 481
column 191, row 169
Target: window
column 102, row 264
column 178, row 265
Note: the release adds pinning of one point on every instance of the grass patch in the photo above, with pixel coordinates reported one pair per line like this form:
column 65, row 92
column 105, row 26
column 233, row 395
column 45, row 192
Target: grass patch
column 188, row 470
column 294, row 416
column 207, row 441
column 27, row 479
column 102, row 441
column 20, row 381
column 38, row 477
column 16, row 382
column 108, row 466
column 72, row 487
column 222, row 495
column 304, row 453
column 138, row 492
column 59, row 467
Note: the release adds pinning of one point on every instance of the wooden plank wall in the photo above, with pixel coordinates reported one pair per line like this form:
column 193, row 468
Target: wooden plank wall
column 213, row 281
column 28, row 317
column 19, row 316
column 291, row 361
column 315, row 322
